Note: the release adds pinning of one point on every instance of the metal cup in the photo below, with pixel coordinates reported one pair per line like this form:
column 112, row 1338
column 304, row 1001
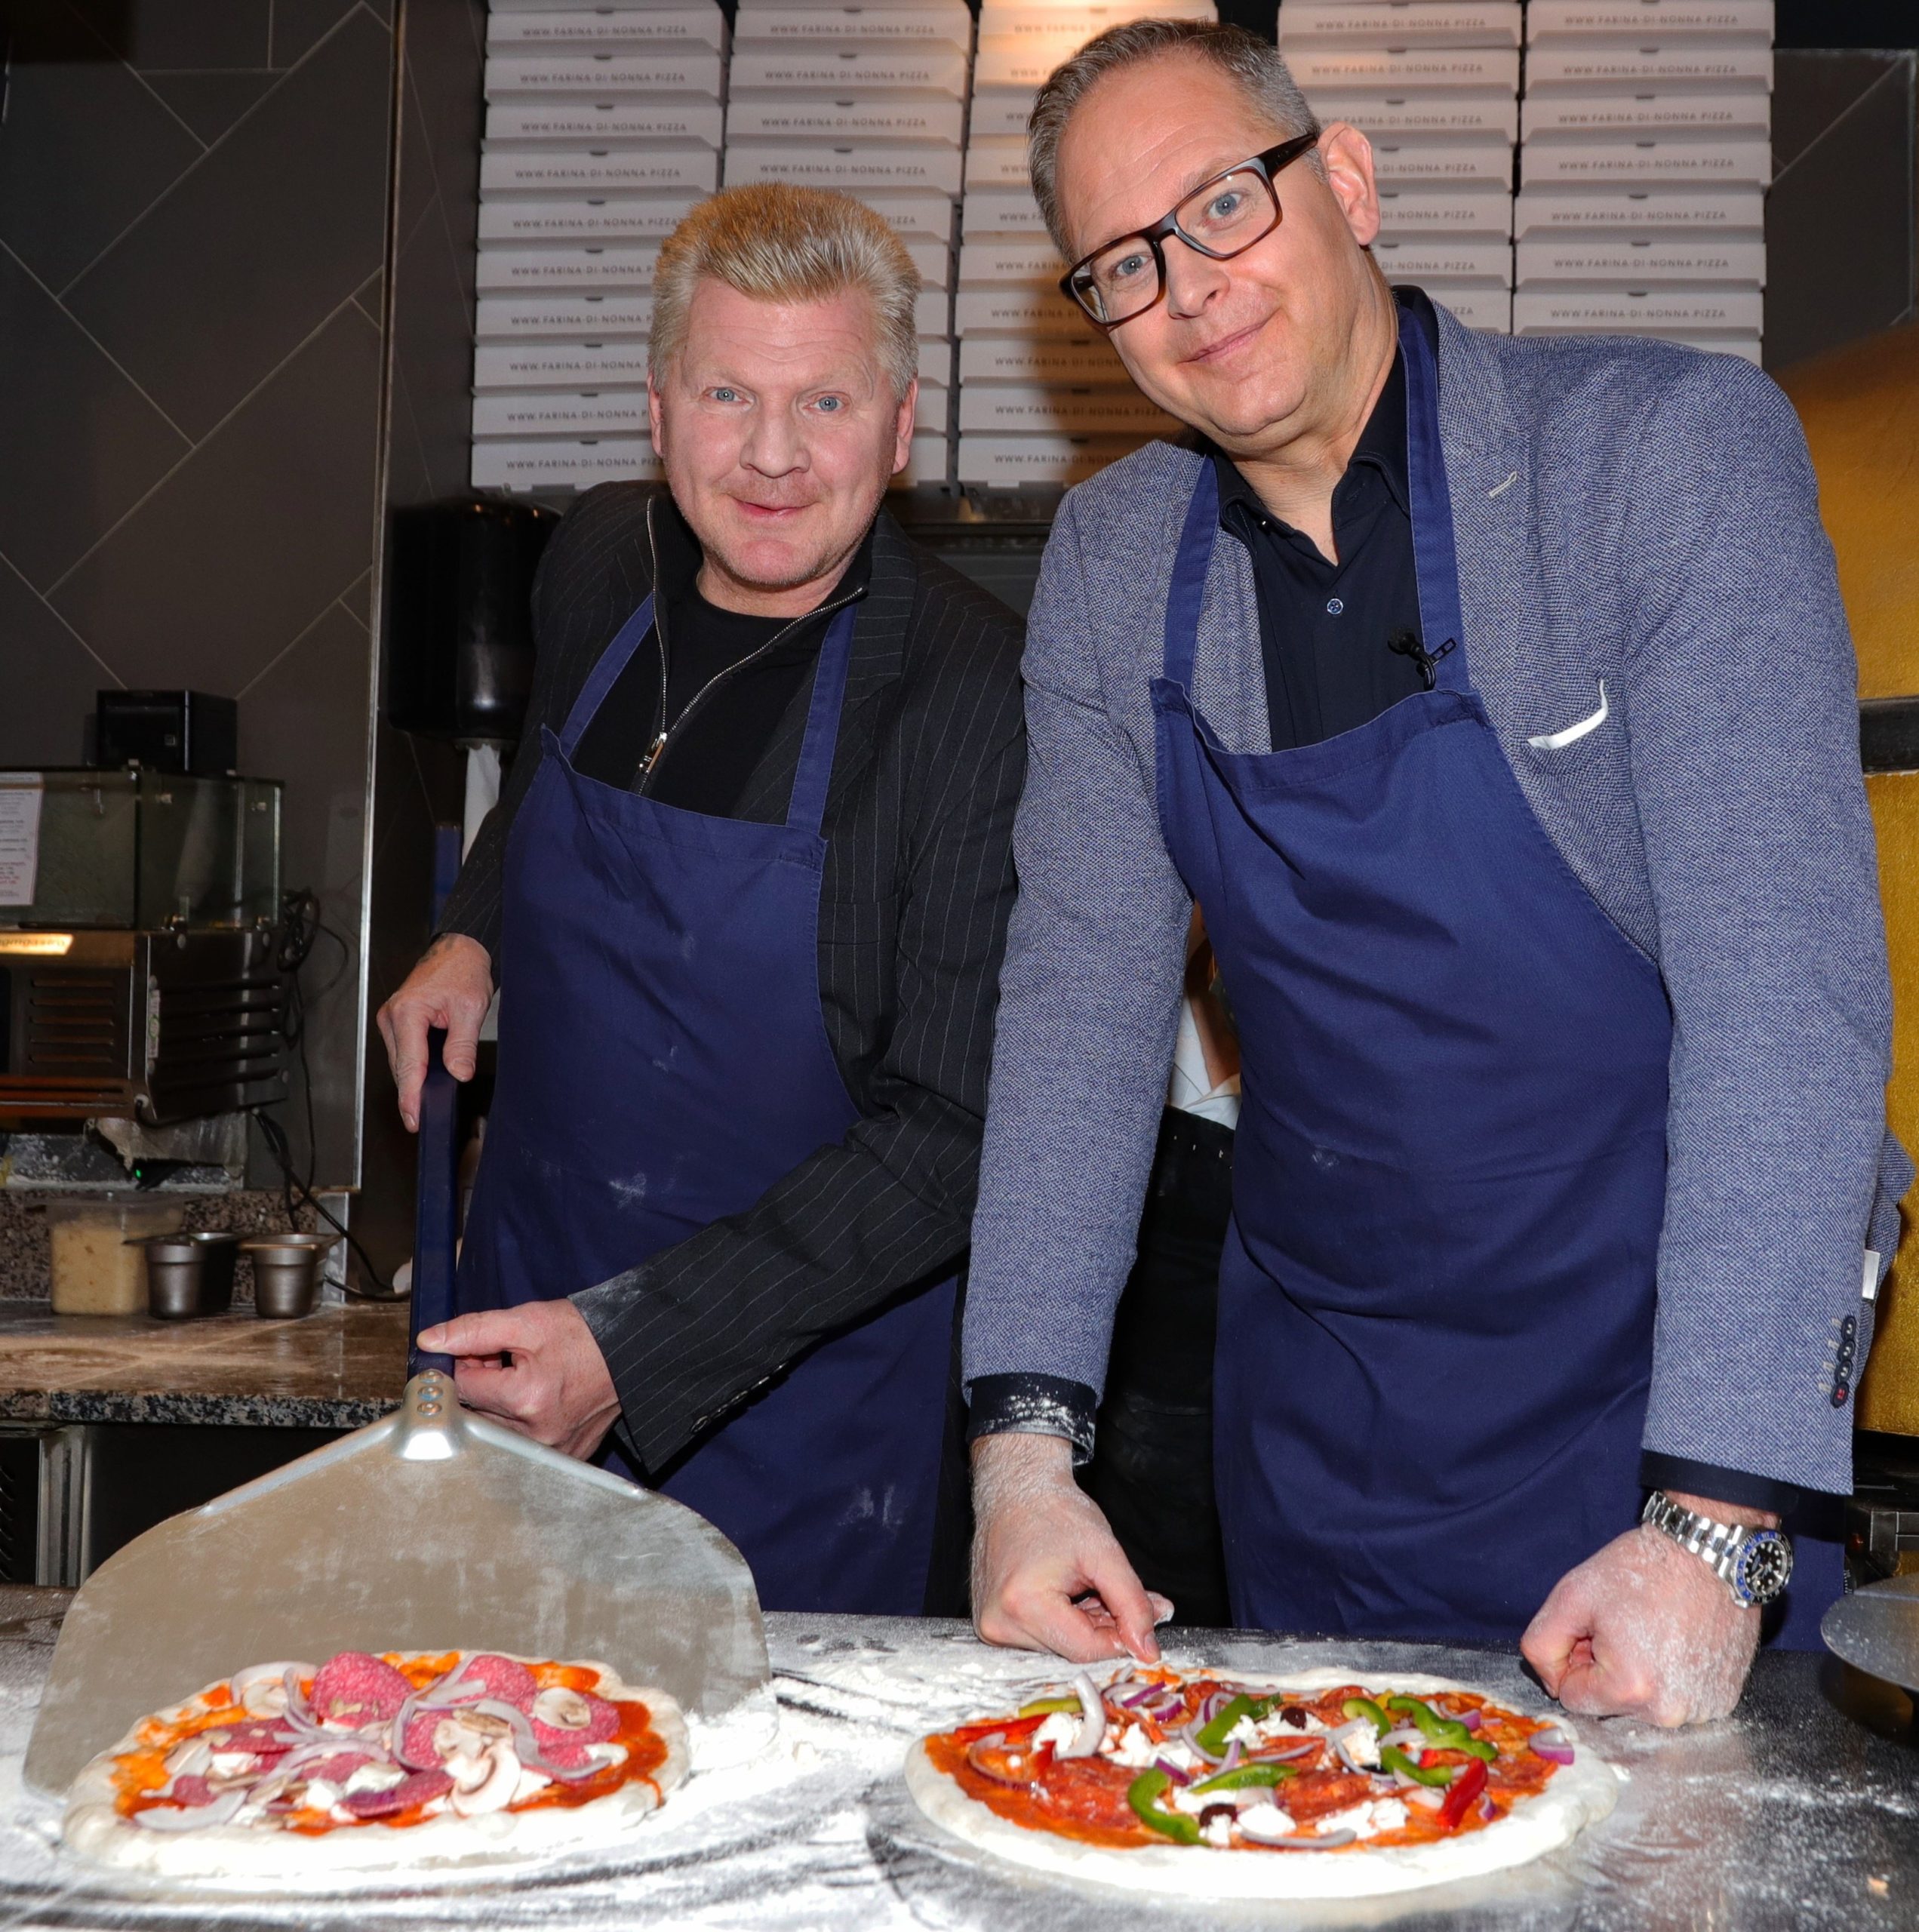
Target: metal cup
column 188, row 1274
column 287, row 1273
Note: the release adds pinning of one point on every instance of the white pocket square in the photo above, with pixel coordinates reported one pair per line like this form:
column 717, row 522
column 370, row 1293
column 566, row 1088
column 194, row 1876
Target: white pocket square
column 1558, row 741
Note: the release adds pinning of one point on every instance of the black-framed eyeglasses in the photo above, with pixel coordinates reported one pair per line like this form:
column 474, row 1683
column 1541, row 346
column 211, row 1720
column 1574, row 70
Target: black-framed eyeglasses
column 1222, row 218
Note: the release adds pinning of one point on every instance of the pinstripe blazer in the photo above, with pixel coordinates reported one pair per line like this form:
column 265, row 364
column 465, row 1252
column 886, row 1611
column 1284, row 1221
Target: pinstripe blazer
column 1640, row 549
column 918, row 885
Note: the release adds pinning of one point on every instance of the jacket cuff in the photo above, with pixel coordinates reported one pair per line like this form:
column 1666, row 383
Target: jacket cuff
column 1034, row 1405
column 1741, row 1486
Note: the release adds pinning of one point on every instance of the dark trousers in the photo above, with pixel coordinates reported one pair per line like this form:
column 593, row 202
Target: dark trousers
column 1151, row 1471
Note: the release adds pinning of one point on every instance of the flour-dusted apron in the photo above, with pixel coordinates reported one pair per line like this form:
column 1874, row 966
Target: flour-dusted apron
column 1436, row 1307
column 663, row 1061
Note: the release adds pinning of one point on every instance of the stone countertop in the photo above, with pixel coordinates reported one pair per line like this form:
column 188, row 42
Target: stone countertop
column 1801, row 1813
column 339, row 1368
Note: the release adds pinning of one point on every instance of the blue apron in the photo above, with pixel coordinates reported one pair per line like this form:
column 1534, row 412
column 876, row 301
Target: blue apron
column 663, row 1061
column 1436, row 1301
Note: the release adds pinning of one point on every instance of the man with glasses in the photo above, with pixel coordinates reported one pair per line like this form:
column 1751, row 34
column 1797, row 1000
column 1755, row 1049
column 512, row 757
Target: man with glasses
column 1494, row 699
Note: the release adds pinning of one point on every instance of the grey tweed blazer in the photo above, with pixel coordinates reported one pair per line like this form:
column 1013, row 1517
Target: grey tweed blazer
column 1630, row 514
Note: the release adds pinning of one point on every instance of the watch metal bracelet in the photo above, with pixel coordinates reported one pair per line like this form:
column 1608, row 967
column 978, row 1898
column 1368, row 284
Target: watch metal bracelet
column 1755, row 1565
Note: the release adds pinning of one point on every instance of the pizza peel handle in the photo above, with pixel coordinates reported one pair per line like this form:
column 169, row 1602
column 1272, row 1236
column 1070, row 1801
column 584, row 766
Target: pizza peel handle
column 430, row 1530
column 436, row 1217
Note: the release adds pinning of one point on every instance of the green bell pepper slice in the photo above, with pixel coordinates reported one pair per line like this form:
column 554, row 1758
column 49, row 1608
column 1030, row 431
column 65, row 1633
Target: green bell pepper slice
column 1141, row 1795
column 1364, row 1707
column 1046, row 1706
column 1391, row 1759
column 1212, row 1737
column 1447, row 1733
column 1241, row 1776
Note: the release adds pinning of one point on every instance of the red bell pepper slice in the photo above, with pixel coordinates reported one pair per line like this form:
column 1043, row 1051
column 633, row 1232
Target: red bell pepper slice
column 1463, row 1793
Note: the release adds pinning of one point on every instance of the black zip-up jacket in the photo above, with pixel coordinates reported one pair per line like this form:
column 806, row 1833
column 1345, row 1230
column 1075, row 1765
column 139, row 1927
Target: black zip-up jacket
column 918, row 883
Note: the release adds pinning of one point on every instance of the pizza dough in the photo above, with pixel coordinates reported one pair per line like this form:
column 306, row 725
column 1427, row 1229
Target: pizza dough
column 1577, row 1795
column 520, row 1759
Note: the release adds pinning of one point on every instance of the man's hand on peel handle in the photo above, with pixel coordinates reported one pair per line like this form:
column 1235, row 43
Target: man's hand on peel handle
column 554, row 1386
column 451, row 987
column 1047, row 1572
column 1644, row 1629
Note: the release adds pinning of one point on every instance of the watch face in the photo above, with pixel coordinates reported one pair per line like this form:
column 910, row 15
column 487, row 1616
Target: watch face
column 1765, row 1563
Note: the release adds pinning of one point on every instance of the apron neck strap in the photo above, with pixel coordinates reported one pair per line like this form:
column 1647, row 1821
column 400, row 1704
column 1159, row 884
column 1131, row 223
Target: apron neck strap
column 1435, row 562
column 613, row 660
column 1187, row 591
column 806, row 811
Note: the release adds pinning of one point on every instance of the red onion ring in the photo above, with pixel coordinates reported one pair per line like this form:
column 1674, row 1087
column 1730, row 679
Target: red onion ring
column 1173, row 1770
column 992, row 1743
column 184, row 1818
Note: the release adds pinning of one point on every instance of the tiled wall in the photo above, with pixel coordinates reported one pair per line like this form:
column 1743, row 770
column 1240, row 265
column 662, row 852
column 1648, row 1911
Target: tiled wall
column 193, row 198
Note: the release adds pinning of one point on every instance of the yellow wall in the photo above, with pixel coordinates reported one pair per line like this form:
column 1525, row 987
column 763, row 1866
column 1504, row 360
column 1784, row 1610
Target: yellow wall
column 1860, row 406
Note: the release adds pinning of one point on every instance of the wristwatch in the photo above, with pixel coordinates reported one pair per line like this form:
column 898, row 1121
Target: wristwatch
column 1755, row 1565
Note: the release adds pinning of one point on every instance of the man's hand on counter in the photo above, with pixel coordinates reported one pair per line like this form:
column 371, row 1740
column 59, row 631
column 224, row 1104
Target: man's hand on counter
column 1047, row 1572
column 1644, row 1629
column 452, row 987
column 554, row 1386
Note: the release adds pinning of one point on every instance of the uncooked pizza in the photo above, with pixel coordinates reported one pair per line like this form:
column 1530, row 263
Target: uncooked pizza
column 1314, row 1786
column 291, row 1771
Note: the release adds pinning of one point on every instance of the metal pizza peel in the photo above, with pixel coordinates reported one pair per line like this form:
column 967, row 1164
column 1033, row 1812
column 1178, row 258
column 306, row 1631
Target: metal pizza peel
column 431, row 1530
column 1876, row 1629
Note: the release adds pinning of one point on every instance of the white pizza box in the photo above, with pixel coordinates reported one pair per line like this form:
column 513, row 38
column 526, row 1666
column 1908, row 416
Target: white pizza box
column 1478, row 307
column 917, row 213
column 1602, row 66
column 1649, row 160
column 625, row 167
column 931, row 461
column 1631, row 261
column 938, row 363
column 1416, row 210
column 1086, row 356
column 611, row 27
column 813, row 117
column 1714, row 342
column 932, row 409
column 611, row 412
column 934, row 260
column 626, row 315
column 542, row 120
column 933, row 312
column 1628, row 210
column 853, row 166
column 1660, row 111
column 1001, row 211
column 1316, row 23
column 1411, row 160
column 598, row 218
column 1452, row 259
column 1002, row 110
column 525, row 271
column 1731, row 308
column 1023, row 61
column 839, row 70
column 1006, row 462
column 1017, row 307
column 910, row 25
column 1088, row 17
column 685, row 67
column 1426, row 111
column 1384, row 69
column 563, row 463
column 1002, row 258
column 1636, row 20
column 996, row 161
column 559, row 365
column 1061, row 409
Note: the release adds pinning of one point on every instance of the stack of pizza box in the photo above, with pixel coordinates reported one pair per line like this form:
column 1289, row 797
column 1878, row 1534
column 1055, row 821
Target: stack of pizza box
column 869, row 100
column 1647, row 154
column 1434, row 85
column 1043, row 397
column 603, row 129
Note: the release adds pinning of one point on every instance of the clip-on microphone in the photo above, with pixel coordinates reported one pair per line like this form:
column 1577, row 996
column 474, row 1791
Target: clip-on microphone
column 1406, row 643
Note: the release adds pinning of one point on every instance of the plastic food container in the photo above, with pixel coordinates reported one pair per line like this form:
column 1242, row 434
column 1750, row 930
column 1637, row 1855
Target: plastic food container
column 94, row 1270
column 189, row 1275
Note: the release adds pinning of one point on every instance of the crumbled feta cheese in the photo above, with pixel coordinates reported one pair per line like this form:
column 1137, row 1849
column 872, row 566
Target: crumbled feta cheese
column 1060, row 1730
column 1177, row 1751
column 1367, row 1819
column 1245, row 1732
column 1361, row 1742
column 231, row 1764
column 1389, row 1814
column 1218, row 1831
column 372, row 1776
column 320, row 1795
column 1183, row 1797
column 1134, row 1749
column 1266, row 1822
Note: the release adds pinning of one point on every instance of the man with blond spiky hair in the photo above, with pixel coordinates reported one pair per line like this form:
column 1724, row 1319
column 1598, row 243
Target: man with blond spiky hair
column 744, row 897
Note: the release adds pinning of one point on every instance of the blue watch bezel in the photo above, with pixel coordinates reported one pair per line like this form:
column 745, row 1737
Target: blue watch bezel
column 1759, row 1541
